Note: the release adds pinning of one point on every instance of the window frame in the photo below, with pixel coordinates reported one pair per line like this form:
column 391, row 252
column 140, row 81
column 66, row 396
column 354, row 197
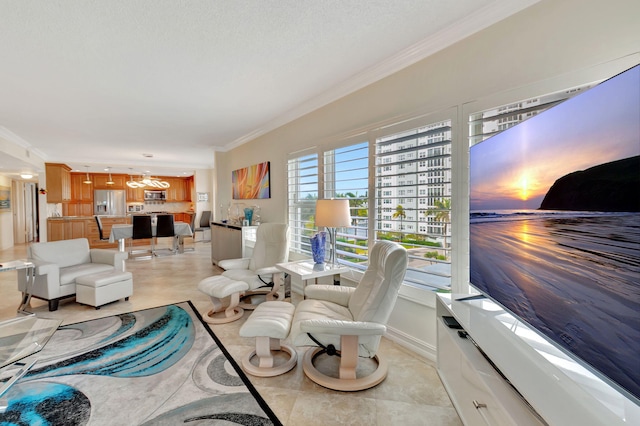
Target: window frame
column 370, row 136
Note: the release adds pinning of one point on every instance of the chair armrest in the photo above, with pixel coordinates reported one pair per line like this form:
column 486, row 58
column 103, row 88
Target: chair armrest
column 107, row 256
column 331, row 293
column 47, row 278
column 342, row 327
column 45, row 268
column 242, row 263
column 269, row 270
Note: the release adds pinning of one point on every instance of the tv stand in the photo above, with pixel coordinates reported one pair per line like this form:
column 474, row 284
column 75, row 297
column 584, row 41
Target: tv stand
column 499, row 371
column 471, row 297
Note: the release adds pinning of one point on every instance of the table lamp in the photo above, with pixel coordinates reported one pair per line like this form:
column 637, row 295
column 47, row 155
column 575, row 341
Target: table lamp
column 332, row 214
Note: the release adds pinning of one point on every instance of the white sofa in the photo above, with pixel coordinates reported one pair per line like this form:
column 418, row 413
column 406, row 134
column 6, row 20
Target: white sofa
column 59, row 263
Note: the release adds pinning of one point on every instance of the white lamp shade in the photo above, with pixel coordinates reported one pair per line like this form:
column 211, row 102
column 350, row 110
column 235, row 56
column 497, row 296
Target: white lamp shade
column 333, row 213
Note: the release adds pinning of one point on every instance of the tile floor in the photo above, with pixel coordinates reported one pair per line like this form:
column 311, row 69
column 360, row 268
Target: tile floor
column 412, row 394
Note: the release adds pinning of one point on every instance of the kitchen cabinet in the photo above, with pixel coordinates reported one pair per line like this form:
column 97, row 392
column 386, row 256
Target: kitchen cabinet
column 81, row 191
column 93, row 235
column 55, row 229
column 66, row 228
column 188, row 185
column 174, row 193
column 180, row 189
column 100, row 181
column 73, row 208
column 81, row 203
column 135, row 195
column 58, row 182
column 183, row 217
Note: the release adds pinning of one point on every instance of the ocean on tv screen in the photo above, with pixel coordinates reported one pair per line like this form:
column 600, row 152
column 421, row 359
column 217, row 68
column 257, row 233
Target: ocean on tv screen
column 555, row 226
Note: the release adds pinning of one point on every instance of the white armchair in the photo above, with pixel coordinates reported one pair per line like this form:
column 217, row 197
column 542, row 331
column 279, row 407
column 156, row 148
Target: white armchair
column 350, row 321
column 271, row 247
column 59, row 263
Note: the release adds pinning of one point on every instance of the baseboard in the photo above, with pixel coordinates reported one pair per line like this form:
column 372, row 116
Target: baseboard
column 411, row 343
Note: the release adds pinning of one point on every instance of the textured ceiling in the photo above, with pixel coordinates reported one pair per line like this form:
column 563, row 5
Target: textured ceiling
column 102, row 82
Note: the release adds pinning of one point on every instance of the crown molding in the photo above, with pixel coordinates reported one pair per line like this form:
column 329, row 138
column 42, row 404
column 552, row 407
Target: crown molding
column 467, row 26
column 14, row 139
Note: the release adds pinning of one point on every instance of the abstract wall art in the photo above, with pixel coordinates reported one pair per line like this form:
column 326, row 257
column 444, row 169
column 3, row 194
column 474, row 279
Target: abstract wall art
column 251, row 182
column 5, row 199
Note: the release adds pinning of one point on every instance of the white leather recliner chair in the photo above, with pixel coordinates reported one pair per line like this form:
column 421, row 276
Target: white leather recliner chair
column 349, row 321
column 272, row 246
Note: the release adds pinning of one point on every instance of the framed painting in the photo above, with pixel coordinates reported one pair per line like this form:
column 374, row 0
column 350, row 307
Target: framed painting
column 251, row 182
column 5, row 199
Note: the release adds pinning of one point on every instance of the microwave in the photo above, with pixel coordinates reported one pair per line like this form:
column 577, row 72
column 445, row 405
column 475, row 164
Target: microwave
column 155, row 195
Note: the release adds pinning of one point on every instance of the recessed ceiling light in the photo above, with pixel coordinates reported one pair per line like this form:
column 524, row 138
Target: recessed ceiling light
column 26, row 175
column 147, row 155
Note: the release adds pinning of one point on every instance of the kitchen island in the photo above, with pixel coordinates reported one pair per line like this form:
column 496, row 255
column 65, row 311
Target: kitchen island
column 70, row 227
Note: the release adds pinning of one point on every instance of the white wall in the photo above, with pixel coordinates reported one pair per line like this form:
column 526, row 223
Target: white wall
column 12, row 147
column 550, row 46
column 203, row 181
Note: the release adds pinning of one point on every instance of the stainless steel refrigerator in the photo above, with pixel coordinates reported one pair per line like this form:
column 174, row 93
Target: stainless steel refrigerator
column 110, row 202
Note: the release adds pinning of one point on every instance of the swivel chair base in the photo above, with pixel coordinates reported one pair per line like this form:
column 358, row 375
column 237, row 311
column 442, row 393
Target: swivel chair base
column 347, row 380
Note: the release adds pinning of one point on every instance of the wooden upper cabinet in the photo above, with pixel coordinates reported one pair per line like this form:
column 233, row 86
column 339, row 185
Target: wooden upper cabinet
column 180, row 189
column 58, row 182
column 188, row 186
column 100, row 181
column 81, row 191
column 135, row 195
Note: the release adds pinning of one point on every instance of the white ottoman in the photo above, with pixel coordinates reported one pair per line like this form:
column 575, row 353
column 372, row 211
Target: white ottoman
column 102, row 288
column 269, row 323
column 220, row 288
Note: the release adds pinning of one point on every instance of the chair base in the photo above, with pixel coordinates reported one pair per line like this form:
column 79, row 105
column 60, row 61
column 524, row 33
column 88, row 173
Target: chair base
column 347, row 382
column 230, row 314
column 263, row 351
column 225, row 296
column 268, row 293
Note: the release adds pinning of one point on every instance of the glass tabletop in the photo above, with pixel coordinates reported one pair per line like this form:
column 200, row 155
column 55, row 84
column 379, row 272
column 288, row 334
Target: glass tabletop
column 24, row 336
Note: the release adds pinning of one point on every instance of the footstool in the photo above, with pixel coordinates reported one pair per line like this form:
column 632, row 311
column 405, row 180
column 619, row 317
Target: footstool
column 104, row 287
column 269, row 323
column 219, row 288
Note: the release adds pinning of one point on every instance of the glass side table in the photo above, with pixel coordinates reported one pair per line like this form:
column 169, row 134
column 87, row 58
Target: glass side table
column 306, row 270
column 19, row 338
column 30, row 270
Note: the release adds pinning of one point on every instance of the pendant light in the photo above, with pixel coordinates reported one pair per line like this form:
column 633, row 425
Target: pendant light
column 88, row 179
column 110, row 181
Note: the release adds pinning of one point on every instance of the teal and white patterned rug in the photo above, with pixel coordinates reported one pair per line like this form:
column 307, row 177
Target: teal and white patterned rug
column 159, row 366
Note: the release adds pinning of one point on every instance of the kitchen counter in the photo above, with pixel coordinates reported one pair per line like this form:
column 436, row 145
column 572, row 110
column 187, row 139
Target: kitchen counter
column 83, row 217
column 69, row 227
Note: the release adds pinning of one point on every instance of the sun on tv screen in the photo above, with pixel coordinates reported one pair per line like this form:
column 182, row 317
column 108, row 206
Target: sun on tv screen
column 555, row 226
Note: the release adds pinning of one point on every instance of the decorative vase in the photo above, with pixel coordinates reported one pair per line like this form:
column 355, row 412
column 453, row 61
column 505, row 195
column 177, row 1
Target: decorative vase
column 257, row 219
column 248, row 213
column 318, row 246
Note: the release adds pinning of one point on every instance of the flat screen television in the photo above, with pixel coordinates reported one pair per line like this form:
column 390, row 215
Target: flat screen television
column 555, row 226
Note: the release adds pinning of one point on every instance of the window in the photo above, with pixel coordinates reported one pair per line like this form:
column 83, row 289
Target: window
column 389, row 211
column 346, row 175
column 302, row 175
column 428, row 244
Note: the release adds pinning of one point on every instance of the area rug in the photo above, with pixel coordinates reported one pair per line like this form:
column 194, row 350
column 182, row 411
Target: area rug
column 160, row 366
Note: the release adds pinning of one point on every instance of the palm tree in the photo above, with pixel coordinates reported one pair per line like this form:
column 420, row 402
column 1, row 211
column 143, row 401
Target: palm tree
column 441, row 213
column 399, row 213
